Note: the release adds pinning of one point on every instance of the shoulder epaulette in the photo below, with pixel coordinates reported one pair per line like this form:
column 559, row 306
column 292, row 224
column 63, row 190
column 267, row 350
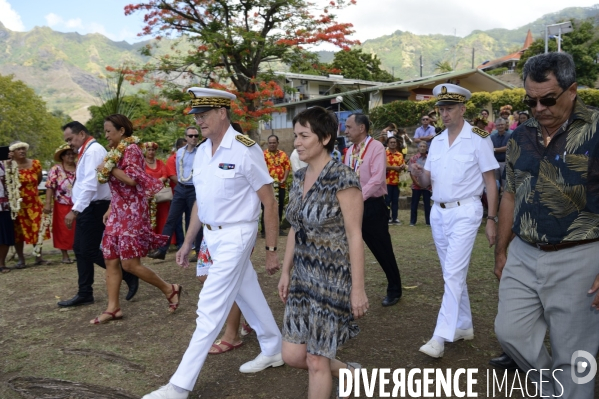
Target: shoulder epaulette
column 202, row 142
column 245, row 140
column 480, row 132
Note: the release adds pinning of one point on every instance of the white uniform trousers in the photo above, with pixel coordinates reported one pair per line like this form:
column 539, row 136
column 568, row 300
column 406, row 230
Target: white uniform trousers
column 454, row 231
column 231, row 278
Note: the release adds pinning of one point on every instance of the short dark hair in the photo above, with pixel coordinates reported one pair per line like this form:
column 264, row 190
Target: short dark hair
column 322, row 123
column 537, row 68
column 397, row 140
column 275, row 136
column 180, row 142
column 484, row 110
column 362, row 119
column 75, row 127
column 192, row 127
column 120, row 122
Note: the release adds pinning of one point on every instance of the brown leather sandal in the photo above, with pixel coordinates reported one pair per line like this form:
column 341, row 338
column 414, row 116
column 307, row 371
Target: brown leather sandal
column 172, row 307
column 112, row 317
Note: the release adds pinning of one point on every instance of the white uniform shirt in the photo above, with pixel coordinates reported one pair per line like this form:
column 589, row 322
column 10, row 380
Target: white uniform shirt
column 87, row 188
column 456, row 171
column 226, row 183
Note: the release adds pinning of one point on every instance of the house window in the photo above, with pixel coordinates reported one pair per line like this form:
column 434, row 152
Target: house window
column 323, row 90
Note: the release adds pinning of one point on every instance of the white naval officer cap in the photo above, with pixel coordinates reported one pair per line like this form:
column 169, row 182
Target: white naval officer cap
column 203, row 99
column 448, row 94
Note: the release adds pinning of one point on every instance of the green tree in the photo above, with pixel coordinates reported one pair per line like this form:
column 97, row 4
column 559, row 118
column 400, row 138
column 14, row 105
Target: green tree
column 24, row 117
column 233, row 39
column 582, row 44
column 355, row 64
column 443, row 66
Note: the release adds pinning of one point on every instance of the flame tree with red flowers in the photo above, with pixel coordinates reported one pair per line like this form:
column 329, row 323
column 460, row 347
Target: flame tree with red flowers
column 232, row 39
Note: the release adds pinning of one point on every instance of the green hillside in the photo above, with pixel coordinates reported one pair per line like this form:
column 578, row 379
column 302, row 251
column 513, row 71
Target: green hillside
column 400, row 51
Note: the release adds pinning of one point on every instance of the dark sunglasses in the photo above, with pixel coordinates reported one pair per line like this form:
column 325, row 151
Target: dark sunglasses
column 545, row 101
column 193, row 136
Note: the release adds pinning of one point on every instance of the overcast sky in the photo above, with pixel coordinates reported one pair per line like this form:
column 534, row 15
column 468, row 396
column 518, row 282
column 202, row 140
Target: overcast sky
column 371, row 18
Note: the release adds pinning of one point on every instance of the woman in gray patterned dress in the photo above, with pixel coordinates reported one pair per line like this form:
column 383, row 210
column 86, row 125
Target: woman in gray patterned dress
column 325, row 292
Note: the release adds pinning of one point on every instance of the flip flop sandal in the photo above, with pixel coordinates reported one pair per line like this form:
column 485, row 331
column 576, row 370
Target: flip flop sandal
column 20, row 265
column 67, row 261
column 41, row 262
column 218, row 349
column 4, row 270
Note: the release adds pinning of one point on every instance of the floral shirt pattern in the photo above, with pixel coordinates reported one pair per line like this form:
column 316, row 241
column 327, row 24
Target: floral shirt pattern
column 394, row 159
column 277, row 164
column 556, row 187
column 61, row 182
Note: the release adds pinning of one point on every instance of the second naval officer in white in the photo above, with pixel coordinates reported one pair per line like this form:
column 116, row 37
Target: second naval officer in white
column 460, row 165
column 231, row 180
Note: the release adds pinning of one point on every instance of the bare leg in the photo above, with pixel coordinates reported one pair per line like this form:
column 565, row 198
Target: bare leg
column 231, row 334
column 135, row 267
column 3, row 253
column 20, row 254
column 65, row 255
column 114, row 276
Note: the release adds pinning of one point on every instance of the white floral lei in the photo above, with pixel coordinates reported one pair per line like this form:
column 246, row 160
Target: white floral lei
column 13, row 185
column 46, row 222
column 113, row 157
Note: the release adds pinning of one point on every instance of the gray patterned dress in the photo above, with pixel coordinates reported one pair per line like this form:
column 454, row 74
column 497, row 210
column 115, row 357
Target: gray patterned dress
column 318, row 308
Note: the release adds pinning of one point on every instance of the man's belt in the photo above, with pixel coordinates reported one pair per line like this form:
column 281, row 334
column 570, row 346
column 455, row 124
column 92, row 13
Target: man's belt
column 556, row 247
column 455, row 204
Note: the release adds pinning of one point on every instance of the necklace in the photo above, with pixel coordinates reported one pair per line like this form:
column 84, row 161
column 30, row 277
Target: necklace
column 113, row 157
column 550, row 136
column 358, row 157
column 181, row 171
column 13, row 185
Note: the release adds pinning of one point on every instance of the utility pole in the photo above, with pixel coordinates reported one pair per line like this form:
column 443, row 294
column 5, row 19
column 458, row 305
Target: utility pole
column 420, row 65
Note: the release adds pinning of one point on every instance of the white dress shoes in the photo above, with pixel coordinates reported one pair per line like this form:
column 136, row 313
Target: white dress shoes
column 433, row 349
column 166, row 392
column 466, row 335
column 262, row 362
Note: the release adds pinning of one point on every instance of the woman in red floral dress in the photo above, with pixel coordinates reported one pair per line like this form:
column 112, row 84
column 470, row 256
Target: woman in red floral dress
column 156, row 168
column 29, row 219
column 128, row 235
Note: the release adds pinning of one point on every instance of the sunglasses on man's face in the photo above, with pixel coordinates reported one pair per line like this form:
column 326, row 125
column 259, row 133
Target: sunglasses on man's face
column 193, row 136
column 545, row 101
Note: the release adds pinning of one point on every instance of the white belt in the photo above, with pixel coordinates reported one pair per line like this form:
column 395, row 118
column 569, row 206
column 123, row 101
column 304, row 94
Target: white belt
column 458, row 203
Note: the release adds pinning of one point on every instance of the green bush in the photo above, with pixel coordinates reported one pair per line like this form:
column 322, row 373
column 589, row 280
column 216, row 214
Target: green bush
column 496, row 71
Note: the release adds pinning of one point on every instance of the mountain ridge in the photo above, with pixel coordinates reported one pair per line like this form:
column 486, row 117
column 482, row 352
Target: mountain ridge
column 67, row 69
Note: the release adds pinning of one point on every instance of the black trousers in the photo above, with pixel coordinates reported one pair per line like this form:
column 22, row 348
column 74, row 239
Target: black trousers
column 281, row 200
column 89, row 230
column 183, row 199
column 426, row 198
column 375, row 232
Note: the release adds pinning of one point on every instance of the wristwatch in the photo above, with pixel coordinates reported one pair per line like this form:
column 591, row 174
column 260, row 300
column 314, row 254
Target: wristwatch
column 271, row 249
column 493, row 218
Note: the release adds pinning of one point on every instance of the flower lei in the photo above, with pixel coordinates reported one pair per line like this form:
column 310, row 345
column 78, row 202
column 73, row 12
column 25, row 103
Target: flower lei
column 113, row 157
column 13, row 185
column 152, row 201
column 46, row 222
column 181, row 176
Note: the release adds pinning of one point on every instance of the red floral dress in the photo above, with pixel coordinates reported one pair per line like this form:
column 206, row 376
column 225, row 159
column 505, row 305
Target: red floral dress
column 29, row 218
column 128, row 232
column 161, row 209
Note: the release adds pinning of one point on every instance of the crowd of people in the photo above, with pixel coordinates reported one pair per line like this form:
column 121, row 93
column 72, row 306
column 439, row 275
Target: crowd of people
column 337, row 201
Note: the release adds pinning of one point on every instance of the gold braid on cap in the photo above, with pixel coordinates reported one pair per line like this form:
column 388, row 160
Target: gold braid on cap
column 455, row 97
column 213, row 102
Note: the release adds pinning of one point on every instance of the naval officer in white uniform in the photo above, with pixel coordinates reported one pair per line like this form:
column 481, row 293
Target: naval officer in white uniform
column 459, row 166
column 231, row 180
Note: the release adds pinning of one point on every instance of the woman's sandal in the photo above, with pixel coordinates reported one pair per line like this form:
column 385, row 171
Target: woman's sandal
column 246, row 329
column 352, row 367
column 41, row 262
column 4, row 270
column 172, row 307
column 112, row 317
